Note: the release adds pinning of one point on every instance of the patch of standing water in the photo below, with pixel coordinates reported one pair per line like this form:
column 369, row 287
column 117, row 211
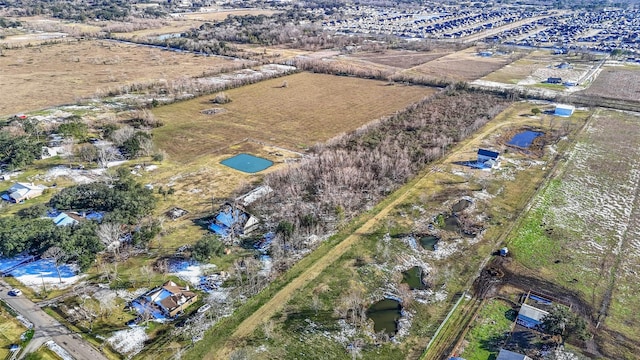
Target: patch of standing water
column 385, row 315
column 247, row 163
column 413, row 278
column 524, row 139
column 429, row 242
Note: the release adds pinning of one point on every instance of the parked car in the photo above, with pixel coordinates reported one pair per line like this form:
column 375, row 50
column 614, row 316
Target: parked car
column 15, row 292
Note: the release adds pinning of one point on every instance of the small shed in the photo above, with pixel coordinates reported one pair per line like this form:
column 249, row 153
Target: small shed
column 510, row 355
column 488, row 158
column 23, row 191
column 564, row 110
column 530, row 317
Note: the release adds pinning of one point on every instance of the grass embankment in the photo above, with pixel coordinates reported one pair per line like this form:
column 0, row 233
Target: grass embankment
column 10, row 331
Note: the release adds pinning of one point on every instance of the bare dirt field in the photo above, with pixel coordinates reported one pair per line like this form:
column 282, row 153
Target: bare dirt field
column 312, row 108
column 401, row 59
column 47, row 75
column 617, row 83
column 463, row 65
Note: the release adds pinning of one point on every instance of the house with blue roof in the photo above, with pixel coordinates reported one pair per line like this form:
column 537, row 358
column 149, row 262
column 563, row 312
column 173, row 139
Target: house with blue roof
column 232, row 220
column 64, row 219
column 165, row 302
column 487, row 158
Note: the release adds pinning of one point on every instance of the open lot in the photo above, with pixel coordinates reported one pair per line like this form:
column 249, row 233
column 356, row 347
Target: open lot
column 610, row 82
column 538, row 66
column 312, row 108
column 464, row 65
column 47, row 75
column 401, row 58
column 581, row 233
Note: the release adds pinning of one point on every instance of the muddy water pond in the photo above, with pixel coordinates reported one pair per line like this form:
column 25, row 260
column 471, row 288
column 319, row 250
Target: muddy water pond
column 413, row 278
column 460, row 205
column 385, row 315
column 451, row 223
column 429, row 242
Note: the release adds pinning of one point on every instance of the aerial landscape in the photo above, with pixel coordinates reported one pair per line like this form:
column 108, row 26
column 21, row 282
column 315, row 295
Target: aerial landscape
column 251, row 179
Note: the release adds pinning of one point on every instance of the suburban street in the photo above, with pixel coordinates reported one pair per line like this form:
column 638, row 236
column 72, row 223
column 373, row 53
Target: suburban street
column 48, row 328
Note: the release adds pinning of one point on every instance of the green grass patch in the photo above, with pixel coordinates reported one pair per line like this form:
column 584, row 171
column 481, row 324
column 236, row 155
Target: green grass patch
column 489, row 330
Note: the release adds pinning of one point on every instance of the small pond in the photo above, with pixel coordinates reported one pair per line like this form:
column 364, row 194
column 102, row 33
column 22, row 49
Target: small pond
column 413, row 278
column 429, row 242
column 247, row 163
column 385, row 315
column 524, row 139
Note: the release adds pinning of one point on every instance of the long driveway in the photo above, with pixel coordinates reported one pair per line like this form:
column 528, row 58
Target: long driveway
column 47, row 328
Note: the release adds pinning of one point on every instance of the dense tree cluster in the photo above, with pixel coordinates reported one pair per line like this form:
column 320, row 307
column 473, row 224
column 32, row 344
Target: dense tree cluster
column 18, row 151
column 125, row 201
column 77, row 10
column 78, row 243
column 209, row 245
column 353, row 172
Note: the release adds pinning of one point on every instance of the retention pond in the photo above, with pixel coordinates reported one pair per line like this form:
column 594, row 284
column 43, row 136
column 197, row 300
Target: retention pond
column 385, row 315
column 247, row 163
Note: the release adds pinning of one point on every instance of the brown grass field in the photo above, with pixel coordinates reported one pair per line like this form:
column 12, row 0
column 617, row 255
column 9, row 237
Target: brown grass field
column 623, row 83
column 312, row 108
column 401, row 59
column 463, row 65
column 49, row 75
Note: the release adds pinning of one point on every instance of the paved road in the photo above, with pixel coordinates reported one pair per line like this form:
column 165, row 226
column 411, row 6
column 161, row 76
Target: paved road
column 48, row 328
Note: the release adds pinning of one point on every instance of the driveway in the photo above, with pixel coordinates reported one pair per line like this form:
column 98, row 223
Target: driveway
column 47, row 328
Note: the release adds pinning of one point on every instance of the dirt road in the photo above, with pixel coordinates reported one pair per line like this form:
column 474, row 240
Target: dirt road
column 48, row 328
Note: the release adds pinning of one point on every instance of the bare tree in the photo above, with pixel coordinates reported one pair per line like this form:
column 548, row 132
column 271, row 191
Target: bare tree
column 58, row 255
column 105, row 154
column 110, row 233
column 87, row 152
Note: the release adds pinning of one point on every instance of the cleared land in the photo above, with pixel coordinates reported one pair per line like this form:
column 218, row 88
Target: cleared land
column 617, row 83
column 540, row 65
column 312, row 108
column 47, row 75
column 463, row 65
column 401, row 58
column 582, row 231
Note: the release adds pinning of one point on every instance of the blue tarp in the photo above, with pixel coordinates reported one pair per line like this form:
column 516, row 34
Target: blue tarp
column 222, row 231
column 148, row 309
column 44, row 267
column 9, row 263
column 527, row 322
column 6, row 197
column 95, row 216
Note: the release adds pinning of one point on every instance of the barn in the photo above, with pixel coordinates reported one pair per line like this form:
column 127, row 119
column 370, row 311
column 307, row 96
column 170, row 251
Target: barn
column 564, row 110
column 530, row 317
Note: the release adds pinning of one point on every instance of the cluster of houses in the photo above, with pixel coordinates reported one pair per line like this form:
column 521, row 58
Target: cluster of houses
column 603, row 31
column 431, row 20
